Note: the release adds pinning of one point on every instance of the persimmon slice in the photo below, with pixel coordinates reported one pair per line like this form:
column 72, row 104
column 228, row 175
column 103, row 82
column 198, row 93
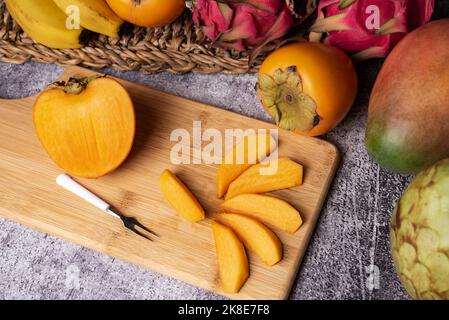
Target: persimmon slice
column 276, row 174
column 232, row 260
column 87, row 126
column 180, row 197
column 251, row 149
column 257, row 237
column 273, row 211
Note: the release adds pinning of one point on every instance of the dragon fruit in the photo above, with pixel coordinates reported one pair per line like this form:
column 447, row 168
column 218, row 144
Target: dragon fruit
column 247, row 24
column 368, row 28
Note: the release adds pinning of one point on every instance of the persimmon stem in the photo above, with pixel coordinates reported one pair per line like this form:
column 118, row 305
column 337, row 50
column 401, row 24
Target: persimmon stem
column 74, row 85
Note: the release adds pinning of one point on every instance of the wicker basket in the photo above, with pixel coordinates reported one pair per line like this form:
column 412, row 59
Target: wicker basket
column 172, row 48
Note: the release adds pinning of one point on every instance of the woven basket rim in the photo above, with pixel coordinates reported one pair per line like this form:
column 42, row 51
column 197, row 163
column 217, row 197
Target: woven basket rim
column 171, row 48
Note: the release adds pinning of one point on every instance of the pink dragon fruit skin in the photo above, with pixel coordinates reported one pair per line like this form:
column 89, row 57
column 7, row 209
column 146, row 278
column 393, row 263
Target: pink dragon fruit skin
column 243, row 24
column 345, row 22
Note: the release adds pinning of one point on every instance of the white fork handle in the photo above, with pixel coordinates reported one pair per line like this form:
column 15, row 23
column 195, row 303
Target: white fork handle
column 68, row 183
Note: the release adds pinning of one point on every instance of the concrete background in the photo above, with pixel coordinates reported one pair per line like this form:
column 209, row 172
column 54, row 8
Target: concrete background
column 351, row 235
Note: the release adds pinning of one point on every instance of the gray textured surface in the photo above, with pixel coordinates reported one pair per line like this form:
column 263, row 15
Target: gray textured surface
column 351, row 235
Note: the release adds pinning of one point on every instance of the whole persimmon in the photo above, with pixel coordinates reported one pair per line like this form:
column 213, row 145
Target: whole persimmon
column 148, row 13
column 307, row 87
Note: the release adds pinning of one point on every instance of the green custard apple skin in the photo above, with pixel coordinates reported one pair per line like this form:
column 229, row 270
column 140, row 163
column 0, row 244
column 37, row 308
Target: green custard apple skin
column 419, row 234
column 408, row 126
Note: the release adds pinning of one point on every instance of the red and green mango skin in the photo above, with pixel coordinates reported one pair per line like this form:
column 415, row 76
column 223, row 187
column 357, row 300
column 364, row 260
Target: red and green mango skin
column 408, row 118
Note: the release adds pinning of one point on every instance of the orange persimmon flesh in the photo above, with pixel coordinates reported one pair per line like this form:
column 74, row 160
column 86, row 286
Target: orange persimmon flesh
column 257, row 237
column 281, row 173
column 180, row 197
column 232, row 260
column 88, row 133
column 273, row 211
column 252, row 149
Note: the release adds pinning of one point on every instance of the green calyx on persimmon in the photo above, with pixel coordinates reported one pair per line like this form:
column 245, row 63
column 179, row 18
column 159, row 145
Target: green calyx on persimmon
column 283, row 97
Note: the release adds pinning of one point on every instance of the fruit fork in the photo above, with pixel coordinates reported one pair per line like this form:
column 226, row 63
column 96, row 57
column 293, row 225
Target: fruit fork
column 130, row 223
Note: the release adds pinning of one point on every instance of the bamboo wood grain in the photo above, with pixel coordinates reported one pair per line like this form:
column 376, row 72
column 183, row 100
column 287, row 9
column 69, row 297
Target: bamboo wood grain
column 185, row 251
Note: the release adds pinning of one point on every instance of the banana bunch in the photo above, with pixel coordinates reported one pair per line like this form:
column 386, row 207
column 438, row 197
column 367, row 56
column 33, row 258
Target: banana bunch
column 95, row 15
column 45, row 23
column 61, row 24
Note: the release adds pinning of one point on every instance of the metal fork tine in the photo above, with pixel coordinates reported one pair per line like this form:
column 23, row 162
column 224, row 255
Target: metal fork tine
column 137, row 223
column 140, row 233
column 130, row 223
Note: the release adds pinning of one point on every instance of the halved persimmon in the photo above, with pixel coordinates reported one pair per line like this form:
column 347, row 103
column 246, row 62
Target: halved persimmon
column 87, row 126
column 307, row 87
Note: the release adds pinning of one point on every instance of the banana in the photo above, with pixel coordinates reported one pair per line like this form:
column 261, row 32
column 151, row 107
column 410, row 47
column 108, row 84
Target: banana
column 45, row 23
column 95, row 15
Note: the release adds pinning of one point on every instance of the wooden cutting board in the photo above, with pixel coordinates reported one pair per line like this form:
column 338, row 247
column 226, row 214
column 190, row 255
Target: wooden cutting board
column 185, row 251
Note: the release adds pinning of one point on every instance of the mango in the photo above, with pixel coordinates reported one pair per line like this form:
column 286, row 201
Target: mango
column 408, row 119
column 257, row 237
column 281, row 173
column 232, row 260
column 180, row 197
column 270, row 210
column 250, row 152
